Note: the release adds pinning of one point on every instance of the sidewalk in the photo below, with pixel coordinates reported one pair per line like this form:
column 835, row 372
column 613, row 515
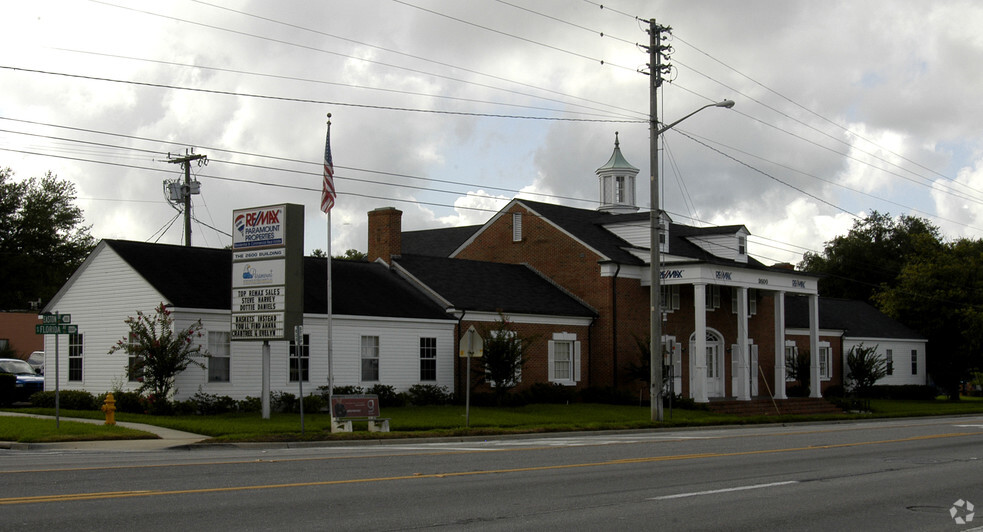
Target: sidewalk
column 167, row 438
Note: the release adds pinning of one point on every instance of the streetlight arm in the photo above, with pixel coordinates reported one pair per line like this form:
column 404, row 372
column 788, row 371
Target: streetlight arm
column 726, row 104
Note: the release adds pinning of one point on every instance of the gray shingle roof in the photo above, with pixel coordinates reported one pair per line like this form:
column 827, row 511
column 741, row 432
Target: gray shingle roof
column 857, row 319
column 194, row 277
column 492, row 287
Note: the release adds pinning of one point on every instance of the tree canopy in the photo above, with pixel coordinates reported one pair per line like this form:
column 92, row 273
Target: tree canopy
column 940, row 294
column 42, row 239
column 872, row 254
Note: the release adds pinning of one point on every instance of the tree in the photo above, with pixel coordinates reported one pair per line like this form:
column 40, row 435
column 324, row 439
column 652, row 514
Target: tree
column 939, row 294
column 872, row 254
column 42, row 241
column 504, row 356
column 350, row 254
column 864, row 368
column 158, row 353
column 800, row 370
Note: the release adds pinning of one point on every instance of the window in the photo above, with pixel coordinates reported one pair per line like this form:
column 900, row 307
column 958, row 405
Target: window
column 300, row 360
column 4, row 344
column 619, row 189
column 75, row 357
column 742, row 245
column 752, row 301
column 914, row 362
column 889, row 361
column 517, row 227
column 428, row 359
column 219, row 361
column 825, row 361
column 791, row 354
column 370, row 358
column 564, row 359
column 134, row 373
column 670, row 298
column 713, row 296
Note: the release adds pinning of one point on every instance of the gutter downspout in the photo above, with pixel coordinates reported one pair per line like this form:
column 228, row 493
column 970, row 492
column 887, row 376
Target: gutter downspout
column 614, row 322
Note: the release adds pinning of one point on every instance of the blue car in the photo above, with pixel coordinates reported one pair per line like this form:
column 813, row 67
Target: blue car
column 28, row 381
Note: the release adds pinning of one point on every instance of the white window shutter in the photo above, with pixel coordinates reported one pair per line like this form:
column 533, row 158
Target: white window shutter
column 576, row 361
column 551, row 360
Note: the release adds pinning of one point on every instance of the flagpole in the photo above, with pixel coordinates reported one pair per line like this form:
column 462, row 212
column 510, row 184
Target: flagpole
column 329, row 177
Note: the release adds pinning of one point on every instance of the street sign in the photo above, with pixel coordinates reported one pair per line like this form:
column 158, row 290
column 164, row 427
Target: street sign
column 56, row 329
column 472, row 344
column 56, row 319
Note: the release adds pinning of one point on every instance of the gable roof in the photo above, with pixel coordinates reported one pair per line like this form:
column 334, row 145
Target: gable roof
column 857, row 319
column 436, row 242
column 492, row 286
column 194, row 277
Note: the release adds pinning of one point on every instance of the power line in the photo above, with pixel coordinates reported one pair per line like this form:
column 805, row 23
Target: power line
column 312, row 101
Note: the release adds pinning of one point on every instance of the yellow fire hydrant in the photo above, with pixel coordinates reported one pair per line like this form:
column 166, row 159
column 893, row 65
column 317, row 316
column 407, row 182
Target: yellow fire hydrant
column 109, row 407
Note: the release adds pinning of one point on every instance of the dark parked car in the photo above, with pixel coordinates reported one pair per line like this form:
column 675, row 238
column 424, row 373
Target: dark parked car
column 27, row 379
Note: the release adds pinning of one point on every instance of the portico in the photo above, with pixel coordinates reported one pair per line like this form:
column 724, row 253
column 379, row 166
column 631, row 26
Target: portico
column 723, row 337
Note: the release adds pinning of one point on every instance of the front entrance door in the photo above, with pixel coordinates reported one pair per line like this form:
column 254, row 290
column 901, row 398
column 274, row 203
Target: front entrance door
column 715, row 370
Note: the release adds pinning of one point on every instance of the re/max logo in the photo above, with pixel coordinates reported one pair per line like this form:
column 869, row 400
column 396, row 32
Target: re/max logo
column 798, row 284
column 263, row 218
column 724, row 276
column 672, row 274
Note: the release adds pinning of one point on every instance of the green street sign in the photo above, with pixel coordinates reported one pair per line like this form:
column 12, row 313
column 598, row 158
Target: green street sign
column 56, row 329
column 52, row 319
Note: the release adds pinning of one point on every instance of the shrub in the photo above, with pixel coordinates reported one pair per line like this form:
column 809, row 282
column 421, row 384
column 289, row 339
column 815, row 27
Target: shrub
column 313, row 403
column 428, row 394
column 131, row 402
column 283, row 402
column 913, row 392
column 550, row 393
column 834, row 391
column 68, row 399
column 206, row 404
column 343, row 390
column 388, row 397
column 607, row 395
column 250, row 404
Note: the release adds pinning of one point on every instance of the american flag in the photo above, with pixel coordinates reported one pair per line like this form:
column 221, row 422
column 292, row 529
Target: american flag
column 328, row 193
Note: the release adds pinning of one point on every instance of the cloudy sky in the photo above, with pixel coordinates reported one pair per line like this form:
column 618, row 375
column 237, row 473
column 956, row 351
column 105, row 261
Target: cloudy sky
column 445, row 109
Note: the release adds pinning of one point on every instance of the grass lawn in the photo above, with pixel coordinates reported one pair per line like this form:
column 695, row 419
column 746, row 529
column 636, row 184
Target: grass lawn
column 34, row 430
column 433, row 421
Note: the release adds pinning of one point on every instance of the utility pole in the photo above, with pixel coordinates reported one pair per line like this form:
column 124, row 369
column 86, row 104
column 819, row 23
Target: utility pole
column 656, row 69
column 186, row 190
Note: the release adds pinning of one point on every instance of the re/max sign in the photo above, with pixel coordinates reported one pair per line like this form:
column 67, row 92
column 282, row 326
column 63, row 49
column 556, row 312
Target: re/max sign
column 672, row 274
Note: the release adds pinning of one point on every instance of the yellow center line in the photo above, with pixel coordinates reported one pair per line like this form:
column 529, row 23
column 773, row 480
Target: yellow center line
column 651, row 459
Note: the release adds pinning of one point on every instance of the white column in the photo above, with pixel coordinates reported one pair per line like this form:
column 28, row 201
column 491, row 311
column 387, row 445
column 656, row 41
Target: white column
column 698, row 351
column 815, row 385
column 743, row 391
column 780, row 345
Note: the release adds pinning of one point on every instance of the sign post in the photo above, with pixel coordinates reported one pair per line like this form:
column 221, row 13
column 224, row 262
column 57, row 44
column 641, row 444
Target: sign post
column 56, row 324
column 267, row 278
column 472, row 345
column 298, row 352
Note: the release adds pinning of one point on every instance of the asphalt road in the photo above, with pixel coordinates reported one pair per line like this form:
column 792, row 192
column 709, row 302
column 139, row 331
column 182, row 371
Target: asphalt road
column 881, row 475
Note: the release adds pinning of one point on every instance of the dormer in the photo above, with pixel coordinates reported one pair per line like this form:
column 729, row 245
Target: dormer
column 728, row 242
column 617, row 183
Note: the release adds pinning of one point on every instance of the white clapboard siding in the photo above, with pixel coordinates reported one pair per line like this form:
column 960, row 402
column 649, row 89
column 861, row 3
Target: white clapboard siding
column 106, row 290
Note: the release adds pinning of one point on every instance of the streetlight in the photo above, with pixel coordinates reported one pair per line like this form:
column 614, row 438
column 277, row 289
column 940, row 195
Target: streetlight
column 655, row 318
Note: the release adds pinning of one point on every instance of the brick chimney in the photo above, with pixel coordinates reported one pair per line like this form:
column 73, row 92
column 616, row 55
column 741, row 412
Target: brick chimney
column 385, row 233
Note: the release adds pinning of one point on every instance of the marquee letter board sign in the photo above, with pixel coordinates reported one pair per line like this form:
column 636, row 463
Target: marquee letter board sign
column 267, row 272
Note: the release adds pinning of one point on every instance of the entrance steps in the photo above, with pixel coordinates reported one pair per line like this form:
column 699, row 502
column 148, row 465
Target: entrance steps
column 765, row 407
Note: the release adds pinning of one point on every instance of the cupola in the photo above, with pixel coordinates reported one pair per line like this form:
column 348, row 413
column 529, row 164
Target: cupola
column 617, row 183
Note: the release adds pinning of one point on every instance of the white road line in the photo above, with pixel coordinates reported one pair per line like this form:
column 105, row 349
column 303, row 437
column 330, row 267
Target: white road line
column 725, row 490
